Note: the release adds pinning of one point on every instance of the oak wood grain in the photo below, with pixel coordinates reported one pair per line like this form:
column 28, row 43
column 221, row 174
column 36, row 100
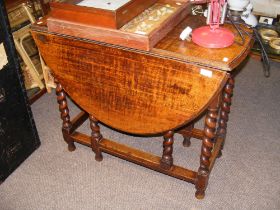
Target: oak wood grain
column 132, row 92
column 225, row 58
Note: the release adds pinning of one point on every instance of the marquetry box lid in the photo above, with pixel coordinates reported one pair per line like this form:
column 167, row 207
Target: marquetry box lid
column 104, row 13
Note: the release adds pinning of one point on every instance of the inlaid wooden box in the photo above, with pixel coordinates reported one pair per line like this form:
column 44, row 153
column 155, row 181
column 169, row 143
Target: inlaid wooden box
column 142, row 32
column 104, row 13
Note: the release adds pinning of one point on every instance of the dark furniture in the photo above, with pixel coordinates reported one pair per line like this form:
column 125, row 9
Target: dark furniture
column 18, row 134
column 148, row 93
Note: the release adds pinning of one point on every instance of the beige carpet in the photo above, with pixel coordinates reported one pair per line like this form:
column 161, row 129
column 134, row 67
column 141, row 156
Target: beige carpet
column 246, row 177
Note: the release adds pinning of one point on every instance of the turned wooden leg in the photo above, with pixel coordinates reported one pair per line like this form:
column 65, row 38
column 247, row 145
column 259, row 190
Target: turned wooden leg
column 166, row 161
column 95, row 138
column 187, row 138
column 206, row 149
column 66, row 124
column 224, row 112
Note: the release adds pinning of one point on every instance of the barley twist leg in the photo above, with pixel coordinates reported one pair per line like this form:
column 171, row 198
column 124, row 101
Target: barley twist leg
column 96, row 137
column 64, row 114
column 166, row 161
column 224, row 112
column 206, row 149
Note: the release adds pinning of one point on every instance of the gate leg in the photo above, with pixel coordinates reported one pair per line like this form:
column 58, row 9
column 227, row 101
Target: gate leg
column 166, row 161
column 96, row 137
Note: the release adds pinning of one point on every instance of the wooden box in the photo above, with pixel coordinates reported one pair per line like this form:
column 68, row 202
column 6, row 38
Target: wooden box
column 157, row 21
column 104, row 13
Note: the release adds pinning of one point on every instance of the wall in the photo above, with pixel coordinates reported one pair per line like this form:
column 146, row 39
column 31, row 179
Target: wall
column 267, row 7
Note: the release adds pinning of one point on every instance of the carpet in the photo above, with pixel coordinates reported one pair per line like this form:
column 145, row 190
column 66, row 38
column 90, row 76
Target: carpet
column 246, row 177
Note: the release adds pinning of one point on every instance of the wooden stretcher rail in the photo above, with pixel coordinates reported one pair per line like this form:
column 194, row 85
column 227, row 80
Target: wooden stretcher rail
column 196, row 133
column 136, row 156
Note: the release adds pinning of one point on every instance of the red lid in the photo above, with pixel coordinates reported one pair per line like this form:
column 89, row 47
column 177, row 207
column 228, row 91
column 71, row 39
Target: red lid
column 212, row 38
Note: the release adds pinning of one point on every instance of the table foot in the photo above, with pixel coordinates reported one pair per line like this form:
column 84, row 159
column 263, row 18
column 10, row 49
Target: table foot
column 199, row 194
column 220, row 154
column 187, row 142
column 66, row 136
column 71, row 148
column 67, row 139
column 99, row 157
column 187, row 137
column 201, row 183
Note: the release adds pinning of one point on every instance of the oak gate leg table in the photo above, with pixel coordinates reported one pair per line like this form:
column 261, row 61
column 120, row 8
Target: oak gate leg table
column 157, row 92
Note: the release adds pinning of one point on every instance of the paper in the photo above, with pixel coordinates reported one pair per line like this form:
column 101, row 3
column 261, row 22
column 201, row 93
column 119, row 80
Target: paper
column 104, row 4
column 206, row 72
column 3, row 56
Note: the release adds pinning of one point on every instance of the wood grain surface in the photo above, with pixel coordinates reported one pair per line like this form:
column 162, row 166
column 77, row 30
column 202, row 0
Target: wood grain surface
column 134, row 92
column 225, row 58
column 138, row 91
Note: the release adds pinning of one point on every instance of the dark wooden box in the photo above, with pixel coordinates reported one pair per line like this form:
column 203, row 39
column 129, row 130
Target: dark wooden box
column 124, row 36
column 70, row 11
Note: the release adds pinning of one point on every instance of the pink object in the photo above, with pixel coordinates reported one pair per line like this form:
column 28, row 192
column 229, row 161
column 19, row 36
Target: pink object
column 212, row 38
